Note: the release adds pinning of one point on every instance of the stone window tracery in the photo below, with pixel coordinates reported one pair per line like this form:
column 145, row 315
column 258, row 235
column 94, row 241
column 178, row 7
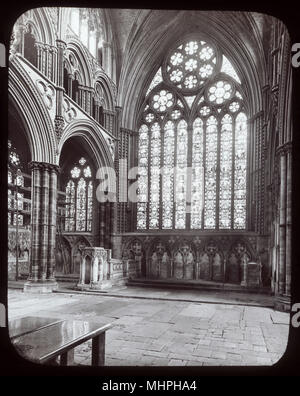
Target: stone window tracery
column 79, row 198
column 192, row 153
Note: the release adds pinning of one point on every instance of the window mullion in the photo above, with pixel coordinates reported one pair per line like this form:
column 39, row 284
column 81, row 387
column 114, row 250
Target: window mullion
column 189, row 177
column 233, row 173
column 204, row 171
column 175, row 174
column 75, row 206
column 86, row 204
column 218, row 173
column 149, row 179
column 162, row 136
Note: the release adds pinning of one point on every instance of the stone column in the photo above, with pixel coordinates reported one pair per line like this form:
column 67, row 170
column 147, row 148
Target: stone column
column 39, row 48
column 282, row 224
column 35, row 221
column 288, row 234
column 107, row 225
column 102, row 224
column 282, row 293
column 43, row 225
column 52, row 222
column 59, row 79
column 81, row 99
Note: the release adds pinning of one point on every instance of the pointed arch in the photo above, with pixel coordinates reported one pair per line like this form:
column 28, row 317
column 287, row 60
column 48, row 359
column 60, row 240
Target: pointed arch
column 33, row 112
column 93, row 137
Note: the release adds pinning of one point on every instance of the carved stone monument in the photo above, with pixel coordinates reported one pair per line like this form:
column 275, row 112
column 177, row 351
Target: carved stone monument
column 95, row 269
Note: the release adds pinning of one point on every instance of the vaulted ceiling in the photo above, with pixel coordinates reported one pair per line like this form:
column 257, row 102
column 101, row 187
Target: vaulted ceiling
column 142, row 38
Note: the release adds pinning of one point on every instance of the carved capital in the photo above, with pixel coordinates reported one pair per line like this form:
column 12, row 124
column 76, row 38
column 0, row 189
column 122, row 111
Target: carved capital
column 43, row 166
column 59, row 123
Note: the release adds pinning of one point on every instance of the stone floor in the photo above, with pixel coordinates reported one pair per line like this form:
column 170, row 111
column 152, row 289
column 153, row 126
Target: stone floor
column 167, row 331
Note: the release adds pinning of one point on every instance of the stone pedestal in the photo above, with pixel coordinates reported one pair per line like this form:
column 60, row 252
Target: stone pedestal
column 95, row 269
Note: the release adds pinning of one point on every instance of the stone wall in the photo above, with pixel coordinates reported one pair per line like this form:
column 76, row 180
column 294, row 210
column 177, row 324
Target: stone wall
column 218, row 257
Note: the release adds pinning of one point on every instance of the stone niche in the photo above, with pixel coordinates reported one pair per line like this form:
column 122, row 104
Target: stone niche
column 95, row 272
column 253, row 274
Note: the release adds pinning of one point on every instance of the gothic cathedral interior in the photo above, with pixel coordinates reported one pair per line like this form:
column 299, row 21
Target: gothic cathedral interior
column 150, row 146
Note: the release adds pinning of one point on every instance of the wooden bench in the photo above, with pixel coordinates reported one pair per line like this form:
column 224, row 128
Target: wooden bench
column 55, row 337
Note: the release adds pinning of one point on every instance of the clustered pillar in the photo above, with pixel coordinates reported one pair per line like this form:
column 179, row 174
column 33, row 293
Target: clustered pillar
column 43, row 224
column 282, row 289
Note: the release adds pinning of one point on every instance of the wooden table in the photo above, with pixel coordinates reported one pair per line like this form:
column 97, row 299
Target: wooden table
column 59, row 338
column 28, row 324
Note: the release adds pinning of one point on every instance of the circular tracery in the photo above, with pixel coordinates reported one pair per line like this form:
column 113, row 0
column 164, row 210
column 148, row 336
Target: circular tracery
column 191, row 64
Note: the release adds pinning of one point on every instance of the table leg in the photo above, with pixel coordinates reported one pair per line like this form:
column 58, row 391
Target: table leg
column 98, row 350
column 67, row 358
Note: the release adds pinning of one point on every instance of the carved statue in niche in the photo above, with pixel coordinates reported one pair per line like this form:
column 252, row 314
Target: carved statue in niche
column 211, row 263
column 165, row 266
column 154, row 268
column 178, row 265
column 184, row 262
column 238, row 258
column 232, row 269
column 156, row 260
column 204, row 271
column 217, row 273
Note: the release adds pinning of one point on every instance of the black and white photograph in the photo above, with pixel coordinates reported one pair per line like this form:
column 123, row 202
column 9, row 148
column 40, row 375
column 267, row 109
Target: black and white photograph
column 149, row 187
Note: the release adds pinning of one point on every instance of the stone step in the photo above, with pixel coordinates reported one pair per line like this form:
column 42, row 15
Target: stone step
column 195, row 284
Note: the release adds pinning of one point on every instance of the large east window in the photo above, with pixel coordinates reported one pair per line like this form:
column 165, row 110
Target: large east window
column 192, row 154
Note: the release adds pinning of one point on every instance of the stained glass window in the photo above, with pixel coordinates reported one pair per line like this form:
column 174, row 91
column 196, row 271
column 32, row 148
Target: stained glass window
column 192, row 155
column 79, row 198
column 15, row 184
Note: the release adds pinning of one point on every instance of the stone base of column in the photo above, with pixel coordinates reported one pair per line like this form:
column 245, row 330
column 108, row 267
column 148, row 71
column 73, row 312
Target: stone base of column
column 40, row 287
column 282, row 303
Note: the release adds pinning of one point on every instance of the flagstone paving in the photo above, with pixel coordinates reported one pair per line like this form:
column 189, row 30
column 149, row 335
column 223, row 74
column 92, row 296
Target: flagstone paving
column 149, row 332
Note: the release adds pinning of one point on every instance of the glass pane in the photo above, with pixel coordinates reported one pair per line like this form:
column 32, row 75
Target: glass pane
column 154, row 176
column 181, row 175
column 240, row 171
column 143, row 177
column 156, row 80
column 168, row 176
column 227, row 68
column 211, row 173
column 197, row 175
column 70, row 207
column 90, row 206
column 225, row 173
column 191, row 64
column 81, row 206
column 219, row 92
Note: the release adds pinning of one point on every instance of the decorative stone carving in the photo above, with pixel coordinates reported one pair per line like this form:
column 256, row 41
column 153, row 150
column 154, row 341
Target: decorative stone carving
column 69, row 111
column 94, row 271
column 47, row 92
column 218, row 258
column 111, row 145
column 59, row 126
